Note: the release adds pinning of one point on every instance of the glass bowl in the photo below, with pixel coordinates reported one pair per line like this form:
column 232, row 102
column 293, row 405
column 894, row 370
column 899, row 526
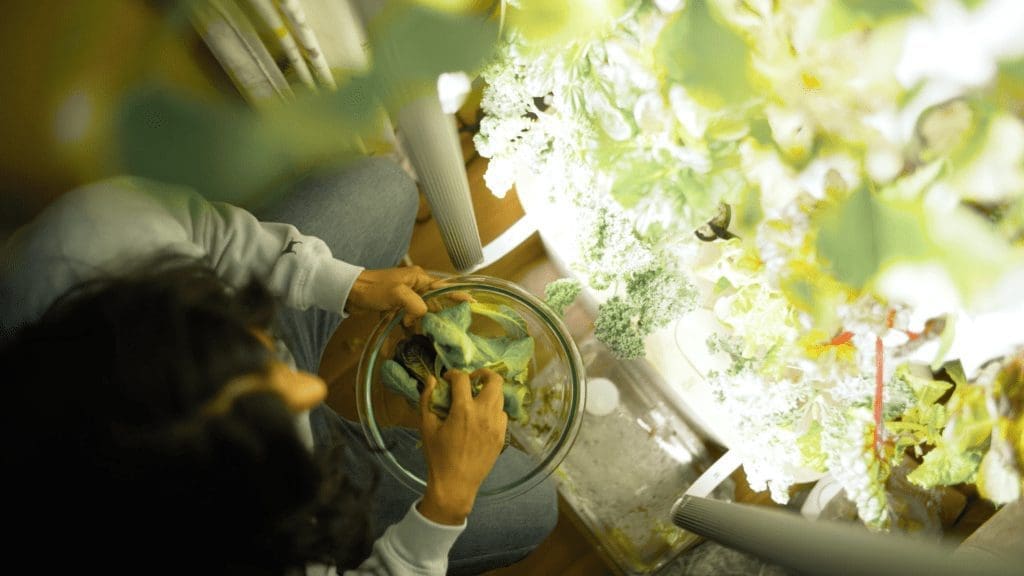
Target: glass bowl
column 555, row 383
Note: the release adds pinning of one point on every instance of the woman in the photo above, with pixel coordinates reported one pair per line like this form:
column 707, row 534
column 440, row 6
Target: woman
column 169, row 417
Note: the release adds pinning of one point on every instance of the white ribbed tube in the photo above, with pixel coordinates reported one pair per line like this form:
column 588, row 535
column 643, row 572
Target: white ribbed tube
column 235, row 43
column 268, row 12
column 299, row 25
column 826, row 547
column 431, row 141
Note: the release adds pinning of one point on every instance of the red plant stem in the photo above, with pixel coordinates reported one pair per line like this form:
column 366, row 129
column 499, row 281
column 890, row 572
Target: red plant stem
column 879, row 366
column 841, row 338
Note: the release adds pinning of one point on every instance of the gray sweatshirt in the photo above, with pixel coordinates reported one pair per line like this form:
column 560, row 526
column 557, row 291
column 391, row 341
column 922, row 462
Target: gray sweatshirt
column 104, row 227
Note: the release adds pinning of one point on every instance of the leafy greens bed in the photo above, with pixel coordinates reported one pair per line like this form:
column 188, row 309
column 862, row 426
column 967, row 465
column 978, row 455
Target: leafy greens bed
column 446, row 342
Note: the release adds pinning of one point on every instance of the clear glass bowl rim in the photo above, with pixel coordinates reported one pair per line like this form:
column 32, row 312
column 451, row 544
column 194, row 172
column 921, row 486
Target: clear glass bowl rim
column 506, row 289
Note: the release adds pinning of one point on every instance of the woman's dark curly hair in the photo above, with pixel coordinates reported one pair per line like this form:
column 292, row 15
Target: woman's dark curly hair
column 116, row 464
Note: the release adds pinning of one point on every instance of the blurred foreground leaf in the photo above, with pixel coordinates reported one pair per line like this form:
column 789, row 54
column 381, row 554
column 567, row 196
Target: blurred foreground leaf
column 843, row 16
column 1009, row 89
column 230, row 152
column 862, row 233
column 865, row 233
column 559, row 22
column 699, row 51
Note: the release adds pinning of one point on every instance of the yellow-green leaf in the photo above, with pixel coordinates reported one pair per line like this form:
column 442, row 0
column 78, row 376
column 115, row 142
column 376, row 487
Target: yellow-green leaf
column 843, row 16
column 945, row 467
column 699, row 51
column 558, row 22
column 862, row 233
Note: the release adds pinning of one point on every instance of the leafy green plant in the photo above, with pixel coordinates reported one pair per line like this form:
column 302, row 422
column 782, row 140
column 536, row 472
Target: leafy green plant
column 841, row 195
column 447, row 343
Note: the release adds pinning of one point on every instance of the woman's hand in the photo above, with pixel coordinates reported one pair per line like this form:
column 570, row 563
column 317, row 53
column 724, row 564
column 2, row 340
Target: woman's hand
column 462, row 448
column 392, row 288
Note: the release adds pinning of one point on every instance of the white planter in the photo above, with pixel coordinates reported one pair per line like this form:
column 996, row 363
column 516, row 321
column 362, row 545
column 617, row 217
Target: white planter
column 681, row 372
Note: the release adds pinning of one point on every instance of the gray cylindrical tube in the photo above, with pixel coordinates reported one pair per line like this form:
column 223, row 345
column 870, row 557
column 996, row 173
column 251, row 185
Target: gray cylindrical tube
column 823, row 547
column 432, row 143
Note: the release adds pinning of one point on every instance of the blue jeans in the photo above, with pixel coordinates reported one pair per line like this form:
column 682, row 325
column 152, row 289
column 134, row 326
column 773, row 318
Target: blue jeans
column 365, row 212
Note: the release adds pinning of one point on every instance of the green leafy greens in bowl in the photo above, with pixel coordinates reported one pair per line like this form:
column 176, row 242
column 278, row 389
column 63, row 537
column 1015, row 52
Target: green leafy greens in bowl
column 447, row 343
column 475, row 322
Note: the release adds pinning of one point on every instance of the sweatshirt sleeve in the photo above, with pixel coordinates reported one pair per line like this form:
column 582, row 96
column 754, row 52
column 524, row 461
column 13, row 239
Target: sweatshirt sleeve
column 415, row 546
column 100, row 228
column 297, row 267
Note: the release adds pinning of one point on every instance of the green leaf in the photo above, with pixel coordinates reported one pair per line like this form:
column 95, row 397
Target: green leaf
column 396, row 379
column 508, row 357
column 460, row 349
column 876, row 10
column 638, row 182
column 970, row 423
column 810, row 448
column 412, row 45
column 862, row 233
column 964, row 241
column 926, row 390
column 516, row 396
column 1009, row 91
column 509, row 320
column 232, row 153
column 555, row 23
column 913, row 186
column 699, row 51
column 946, row 343
column 457, row 348
column 957, row 130
column 216, row 149
column 459, row 315
column 945, row 467
column 955, row 370
column 694, row 203
column 747, row 212
column 447, row 330
column 843, row 16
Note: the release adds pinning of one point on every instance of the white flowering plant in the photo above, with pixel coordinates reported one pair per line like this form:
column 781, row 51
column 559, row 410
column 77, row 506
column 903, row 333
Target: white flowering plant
column 840, row 182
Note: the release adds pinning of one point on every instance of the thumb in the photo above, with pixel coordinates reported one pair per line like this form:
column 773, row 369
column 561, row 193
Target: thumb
column 412, row 302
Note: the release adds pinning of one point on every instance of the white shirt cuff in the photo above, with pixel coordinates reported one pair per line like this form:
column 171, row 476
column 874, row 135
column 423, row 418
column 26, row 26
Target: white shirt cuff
column 331, row 284
column 421, row 542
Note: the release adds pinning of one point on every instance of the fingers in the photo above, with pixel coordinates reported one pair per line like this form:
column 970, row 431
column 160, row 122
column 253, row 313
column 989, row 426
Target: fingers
column 429, row 421
column 437, row 283
column 460, row 296
column 390, row 288
column 462, row 396
column 410, row 301
column 447, row 299
column 417, row 279
column 490, row 390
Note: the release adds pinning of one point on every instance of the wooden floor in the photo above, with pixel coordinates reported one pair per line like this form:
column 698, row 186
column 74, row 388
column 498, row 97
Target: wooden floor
column 567, row 551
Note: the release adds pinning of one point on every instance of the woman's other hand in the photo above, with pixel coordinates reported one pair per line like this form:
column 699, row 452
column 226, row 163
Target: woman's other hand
column 392, row 289
column 462, row 448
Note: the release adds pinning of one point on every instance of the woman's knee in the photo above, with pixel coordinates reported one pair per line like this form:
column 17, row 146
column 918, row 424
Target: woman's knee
column 520, row 523
column 389, row 207
column 503, row 533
